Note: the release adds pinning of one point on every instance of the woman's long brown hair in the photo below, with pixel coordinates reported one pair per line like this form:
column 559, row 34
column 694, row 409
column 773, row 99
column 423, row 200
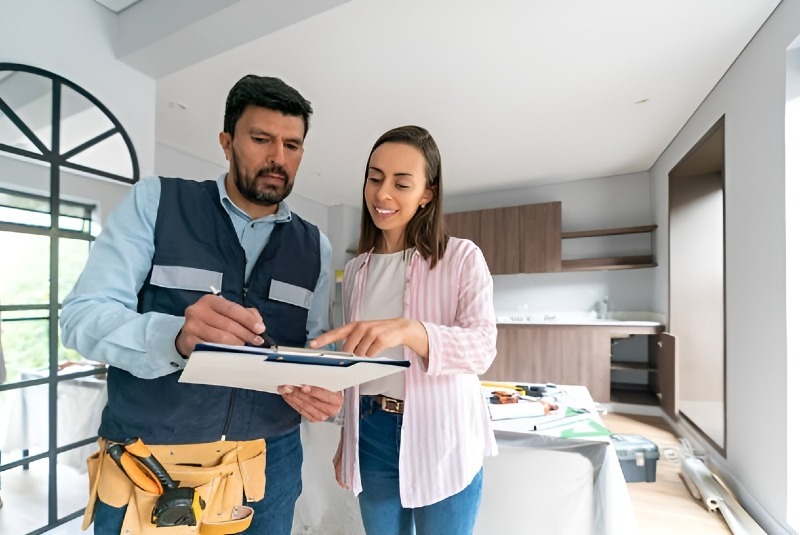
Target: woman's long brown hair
column 425, row 231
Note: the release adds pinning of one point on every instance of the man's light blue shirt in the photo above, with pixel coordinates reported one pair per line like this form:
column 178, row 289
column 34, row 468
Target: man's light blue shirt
column 99, row 317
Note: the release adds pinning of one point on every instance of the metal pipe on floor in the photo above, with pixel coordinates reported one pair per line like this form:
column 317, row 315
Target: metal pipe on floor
column 703, row 483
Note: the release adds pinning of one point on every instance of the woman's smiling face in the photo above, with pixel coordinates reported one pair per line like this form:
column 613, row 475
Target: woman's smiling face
column 396, row 187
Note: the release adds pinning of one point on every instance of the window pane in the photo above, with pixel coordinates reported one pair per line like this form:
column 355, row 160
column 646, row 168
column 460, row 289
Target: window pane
column 25, row 274
column 30, row 97
column 25, row 345
column 80, row 404
column 110, row 155
column 25, row 419
column 73, row 490
column 24, row 498
column 32, row 177
column 72, row 257
column 81, row 120
column 33, row 209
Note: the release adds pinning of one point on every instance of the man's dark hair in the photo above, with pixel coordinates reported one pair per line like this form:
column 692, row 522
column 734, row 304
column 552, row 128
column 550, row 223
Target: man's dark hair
column 267, row 92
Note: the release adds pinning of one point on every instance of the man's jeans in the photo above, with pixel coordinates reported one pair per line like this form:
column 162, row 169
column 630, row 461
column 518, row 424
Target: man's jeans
column 273, row 515
column 381, row 511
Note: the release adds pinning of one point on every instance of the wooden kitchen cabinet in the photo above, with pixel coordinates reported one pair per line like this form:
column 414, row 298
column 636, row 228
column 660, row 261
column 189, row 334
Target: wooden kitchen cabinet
column 540, row 232
column 500, row 240
column 561, row 354
column 514, row 239
column 465, row 225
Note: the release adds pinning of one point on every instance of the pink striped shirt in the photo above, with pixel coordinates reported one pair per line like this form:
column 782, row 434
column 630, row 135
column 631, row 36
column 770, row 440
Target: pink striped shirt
column 446, row 430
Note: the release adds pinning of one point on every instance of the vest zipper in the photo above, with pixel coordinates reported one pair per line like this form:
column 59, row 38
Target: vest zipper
column 229, row 416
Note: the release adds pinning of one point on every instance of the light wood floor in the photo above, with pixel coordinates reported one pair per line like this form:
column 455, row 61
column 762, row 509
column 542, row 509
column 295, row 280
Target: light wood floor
column 665, row 506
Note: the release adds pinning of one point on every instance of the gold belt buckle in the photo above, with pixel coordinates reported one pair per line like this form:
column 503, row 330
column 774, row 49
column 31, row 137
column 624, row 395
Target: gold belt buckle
column 391, row 405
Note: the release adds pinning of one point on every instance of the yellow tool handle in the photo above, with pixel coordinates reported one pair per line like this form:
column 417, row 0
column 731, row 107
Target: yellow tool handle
column 142, row 453
column 512, row 386
column 136, row 472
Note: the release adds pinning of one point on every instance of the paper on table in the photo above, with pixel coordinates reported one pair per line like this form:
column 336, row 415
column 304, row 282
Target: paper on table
column 255, row 368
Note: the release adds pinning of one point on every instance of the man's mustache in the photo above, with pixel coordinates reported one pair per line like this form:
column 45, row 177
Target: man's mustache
column 274, row 169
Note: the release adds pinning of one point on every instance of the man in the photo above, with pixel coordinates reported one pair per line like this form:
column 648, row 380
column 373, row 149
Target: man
column 148, row 294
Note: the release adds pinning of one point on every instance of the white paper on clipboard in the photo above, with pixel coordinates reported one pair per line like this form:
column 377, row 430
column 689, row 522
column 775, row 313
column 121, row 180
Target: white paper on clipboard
column 265, row 370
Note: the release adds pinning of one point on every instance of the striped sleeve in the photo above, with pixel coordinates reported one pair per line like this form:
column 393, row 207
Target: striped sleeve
column 468, row 344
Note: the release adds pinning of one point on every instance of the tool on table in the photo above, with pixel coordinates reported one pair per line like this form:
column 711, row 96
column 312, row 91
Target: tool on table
column 531, row 390
column 176, row 506
column 269, row 343
column 502, row 397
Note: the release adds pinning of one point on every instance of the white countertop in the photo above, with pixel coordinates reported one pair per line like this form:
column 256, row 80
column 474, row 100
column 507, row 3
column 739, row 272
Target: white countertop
column 629, row 319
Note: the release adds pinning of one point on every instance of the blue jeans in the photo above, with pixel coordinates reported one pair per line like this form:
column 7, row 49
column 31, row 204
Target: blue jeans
column 273, row 515
column 381, row 511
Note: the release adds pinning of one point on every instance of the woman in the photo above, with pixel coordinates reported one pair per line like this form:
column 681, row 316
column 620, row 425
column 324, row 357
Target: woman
column 413, row 443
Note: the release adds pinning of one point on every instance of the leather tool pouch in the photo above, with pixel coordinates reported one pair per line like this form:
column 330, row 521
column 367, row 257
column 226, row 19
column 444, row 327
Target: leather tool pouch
column 221, row 472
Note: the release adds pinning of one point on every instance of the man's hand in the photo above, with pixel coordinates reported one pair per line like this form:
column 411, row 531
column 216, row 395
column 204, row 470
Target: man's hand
column 370, row 338
column 215, row 319
column 312, row 402
column 337, row 463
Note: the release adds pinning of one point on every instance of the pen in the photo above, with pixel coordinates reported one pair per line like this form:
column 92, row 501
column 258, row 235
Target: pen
column 269, row 343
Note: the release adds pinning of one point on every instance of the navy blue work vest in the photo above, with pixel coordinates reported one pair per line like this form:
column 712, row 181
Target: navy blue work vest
column 194, row 231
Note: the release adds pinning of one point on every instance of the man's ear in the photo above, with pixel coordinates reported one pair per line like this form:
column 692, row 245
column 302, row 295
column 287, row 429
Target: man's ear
column 225, row 141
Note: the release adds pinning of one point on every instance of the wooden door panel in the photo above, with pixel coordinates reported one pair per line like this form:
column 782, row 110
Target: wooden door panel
column 540, row 232
column 501, row 240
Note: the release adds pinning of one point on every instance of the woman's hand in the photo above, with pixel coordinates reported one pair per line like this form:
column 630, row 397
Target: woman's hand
column 369, row 338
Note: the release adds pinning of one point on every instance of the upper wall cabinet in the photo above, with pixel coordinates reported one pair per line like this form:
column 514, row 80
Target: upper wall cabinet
column 528, row 239
column 515, row 239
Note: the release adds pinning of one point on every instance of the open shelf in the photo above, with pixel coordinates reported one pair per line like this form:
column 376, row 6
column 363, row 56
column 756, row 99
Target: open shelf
column 608, row 232
column 613, row 262
column 609, row 262
column 632, row 366
column 633, row 394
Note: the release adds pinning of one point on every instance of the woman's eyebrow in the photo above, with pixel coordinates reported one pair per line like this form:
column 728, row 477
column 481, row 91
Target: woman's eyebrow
column 379, row 170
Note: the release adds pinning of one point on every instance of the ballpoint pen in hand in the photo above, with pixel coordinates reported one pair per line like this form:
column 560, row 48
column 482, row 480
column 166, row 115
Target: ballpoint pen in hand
column 269, row 343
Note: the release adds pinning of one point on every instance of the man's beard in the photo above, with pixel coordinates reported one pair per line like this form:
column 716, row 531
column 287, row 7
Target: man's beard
column 267, row 195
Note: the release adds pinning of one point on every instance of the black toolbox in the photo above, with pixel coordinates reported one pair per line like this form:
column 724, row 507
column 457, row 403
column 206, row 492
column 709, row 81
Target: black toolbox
column 637, row 457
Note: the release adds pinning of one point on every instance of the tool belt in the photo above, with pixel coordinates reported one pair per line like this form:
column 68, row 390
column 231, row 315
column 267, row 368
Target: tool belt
column 222, row 473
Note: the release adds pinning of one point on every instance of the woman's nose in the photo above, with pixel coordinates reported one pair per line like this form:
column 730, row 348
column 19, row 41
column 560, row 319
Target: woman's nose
column 384, row 191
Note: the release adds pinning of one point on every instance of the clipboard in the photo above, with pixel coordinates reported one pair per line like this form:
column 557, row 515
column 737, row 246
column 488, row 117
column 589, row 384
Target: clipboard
column 265, row 369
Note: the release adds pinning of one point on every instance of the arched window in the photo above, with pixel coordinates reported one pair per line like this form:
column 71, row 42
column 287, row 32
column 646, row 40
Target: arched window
column 59, row 146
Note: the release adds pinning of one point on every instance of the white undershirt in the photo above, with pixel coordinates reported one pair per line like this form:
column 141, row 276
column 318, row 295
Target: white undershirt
column 383, row 299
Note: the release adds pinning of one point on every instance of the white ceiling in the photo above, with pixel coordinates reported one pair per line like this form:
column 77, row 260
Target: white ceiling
column 516, row 92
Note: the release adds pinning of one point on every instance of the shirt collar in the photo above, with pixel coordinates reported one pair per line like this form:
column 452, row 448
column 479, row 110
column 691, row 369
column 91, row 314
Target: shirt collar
column 283, row 215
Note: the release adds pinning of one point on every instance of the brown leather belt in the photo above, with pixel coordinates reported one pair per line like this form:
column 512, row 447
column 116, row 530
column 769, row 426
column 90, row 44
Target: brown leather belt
column 387, row 404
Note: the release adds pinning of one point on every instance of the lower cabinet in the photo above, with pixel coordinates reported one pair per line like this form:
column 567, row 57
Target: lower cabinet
column 561, row 354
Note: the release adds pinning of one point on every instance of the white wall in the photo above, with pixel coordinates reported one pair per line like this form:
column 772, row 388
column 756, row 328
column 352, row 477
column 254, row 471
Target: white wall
column 72, row 39
column 751, row 96
column 609, row 202
column 793, row 272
